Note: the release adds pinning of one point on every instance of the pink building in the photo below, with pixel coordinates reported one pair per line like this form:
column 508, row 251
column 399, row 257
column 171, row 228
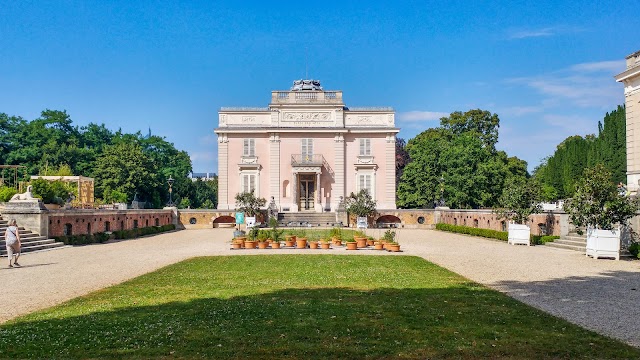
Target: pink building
column 307, row 150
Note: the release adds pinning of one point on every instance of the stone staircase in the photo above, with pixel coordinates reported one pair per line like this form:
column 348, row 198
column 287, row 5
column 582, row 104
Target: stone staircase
column 307, row 219
column 30, row 240
column 572, row 241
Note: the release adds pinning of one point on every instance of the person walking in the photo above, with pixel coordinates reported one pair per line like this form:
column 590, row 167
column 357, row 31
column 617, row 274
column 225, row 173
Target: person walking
column 12, row 241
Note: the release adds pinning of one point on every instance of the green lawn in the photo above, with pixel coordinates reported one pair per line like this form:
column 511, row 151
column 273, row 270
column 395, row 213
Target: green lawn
column 300, row 307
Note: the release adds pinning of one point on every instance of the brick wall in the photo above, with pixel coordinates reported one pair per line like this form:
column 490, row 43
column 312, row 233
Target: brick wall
column 94, row 221
column 540, row 224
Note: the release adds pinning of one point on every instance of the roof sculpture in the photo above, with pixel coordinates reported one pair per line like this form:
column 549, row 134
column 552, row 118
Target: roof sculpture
column 306, row 85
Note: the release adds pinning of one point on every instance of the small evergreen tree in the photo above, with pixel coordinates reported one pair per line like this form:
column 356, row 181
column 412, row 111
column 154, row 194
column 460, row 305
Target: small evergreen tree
column 519, row 199
column 248, row 203
column 360, row 204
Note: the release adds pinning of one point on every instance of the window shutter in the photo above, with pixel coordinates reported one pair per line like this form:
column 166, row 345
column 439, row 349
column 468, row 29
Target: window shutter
column 245, row 147
column 252, row 147
column 362, row 147
column 367, row 146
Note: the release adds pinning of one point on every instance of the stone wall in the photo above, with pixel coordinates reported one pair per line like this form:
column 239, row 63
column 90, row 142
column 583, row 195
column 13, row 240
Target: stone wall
column 94, row 221
column 204, row 219
column 552, row 223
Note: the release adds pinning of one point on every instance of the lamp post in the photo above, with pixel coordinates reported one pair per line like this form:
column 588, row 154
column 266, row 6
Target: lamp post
column 441, row 180
column 170, row 182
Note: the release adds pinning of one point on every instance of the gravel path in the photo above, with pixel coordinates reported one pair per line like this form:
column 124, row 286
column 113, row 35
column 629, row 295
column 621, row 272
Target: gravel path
column 601, row 295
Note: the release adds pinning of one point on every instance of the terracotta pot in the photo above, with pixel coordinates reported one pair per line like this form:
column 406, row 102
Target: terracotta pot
column 325, row 245
column 248, row 244
column 336, row 241
column 239, row 241
column 301, row 243
column 352, row 246
column 289, row 243
column 313, row 244
column 236, row 245
column 263, row 244
column 370, row 242
column 378, row 246
column 275, row 244
column 361, row 242
column 393, row 247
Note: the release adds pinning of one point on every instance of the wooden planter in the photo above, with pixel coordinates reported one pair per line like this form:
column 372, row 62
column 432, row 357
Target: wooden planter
column 263, row 244
column 352, row 246
column 301, row 243
column 325, row 245
column 603, row 243
column 275, row 244
column 519, row 234
column 248, row 244
column 313, row 244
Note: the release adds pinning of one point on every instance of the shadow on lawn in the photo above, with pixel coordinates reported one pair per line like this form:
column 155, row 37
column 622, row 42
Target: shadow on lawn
column 331, row 323
column 611, row 298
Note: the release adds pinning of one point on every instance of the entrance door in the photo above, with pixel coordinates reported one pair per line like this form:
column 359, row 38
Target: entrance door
column 307, row 192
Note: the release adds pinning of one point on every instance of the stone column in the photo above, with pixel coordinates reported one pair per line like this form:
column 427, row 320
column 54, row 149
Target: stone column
column 390, row 172
column 223, row 171
column 294, row 192
column 631, row 80
column 338, row 189
column 319, row 194
column 274, row 167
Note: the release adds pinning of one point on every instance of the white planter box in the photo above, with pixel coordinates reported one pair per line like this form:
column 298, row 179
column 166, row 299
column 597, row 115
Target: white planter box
column 603, row 243
column 519, row 234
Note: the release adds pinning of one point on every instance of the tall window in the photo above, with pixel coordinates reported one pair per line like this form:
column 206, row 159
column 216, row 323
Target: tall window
column 365, row 147
column 248, row 183
column 364, row 182
column 249, row 147
column 307, row 148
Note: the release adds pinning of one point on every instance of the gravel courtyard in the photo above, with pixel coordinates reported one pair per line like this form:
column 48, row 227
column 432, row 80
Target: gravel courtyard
column 601, row 295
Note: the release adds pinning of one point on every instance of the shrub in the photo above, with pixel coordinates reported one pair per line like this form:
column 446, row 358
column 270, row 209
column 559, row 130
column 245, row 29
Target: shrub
column 83, row 239
column 493, row 234
column 634, row 249
column 134, row 233
column 6, row 193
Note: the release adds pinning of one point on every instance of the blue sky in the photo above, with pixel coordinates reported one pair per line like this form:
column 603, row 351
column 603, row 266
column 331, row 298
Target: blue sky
column 545, row 67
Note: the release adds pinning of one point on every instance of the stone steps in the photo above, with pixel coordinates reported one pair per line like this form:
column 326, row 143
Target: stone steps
column 577, row 242
column 30, row 241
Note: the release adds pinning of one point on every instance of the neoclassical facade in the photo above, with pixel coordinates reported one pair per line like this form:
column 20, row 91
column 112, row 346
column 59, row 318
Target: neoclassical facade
column 306, row 150
column 631, row 80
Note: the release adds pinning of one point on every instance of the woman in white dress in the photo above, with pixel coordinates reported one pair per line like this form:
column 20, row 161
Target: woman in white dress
column 12, row 240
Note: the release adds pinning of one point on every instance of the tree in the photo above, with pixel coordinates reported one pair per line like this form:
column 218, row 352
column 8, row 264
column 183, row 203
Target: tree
column 124, row 167
column 402, row 158
column 597, row 203
column 249, row 204
column 519, row 199
column 360, row 204
column 481, row 122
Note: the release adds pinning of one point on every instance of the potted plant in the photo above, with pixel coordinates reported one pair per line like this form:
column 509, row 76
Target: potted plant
column 393, row 246
column 599, row 206
column 378, row 245
column 313, row 244
column 336, row 236
column 388, row 238
column 289, row 240
column 325, row 244
column 370, row 241
column 237, row 244
column 360, row 204
column 351, row 244
column 301, row 240
column 263, row 235
column 276, row 235
column 520, row 198
column 249, row 204
column 250, row 243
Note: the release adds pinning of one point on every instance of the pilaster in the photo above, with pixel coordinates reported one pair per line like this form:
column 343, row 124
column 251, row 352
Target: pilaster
column 339, row 171
column 390, row 172
column 274, row 167
column 223, row 171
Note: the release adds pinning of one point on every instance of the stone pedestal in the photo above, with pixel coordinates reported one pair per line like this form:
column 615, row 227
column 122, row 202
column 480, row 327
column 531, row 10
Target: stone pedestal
column 30, row 214
column 175, row 216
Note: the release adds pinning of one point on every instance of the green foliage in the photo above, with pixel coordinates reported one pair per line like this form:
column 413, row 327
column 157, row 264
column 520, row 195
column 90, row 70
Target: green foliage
column 134, row 233
column 597, row 203
column 634, row 249
column 253, row 233
column 248, row 203
column 6, row 193
column 389, row 236
column 336, row 232
column 492, row 234
column 120, row 163
column 360, row 204
column 205, row 194
column 53, row 192
column 276, row 235
column 520, row 198
column 457, row 162
column 83, row 239
column 541, row 240
column 565, row 167
column 185, row 203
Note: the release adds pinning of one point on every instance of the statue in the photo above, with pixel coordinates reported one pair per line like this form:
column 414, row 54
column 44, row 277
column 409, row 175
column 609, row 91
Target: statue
column 306, row 85
column 27, row 195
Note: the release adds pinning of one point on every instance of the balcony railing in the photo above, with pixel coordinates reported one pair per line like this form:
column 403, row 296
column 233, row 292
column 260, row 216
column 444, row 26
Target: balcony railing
column 307, row 160
column 306, row 97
